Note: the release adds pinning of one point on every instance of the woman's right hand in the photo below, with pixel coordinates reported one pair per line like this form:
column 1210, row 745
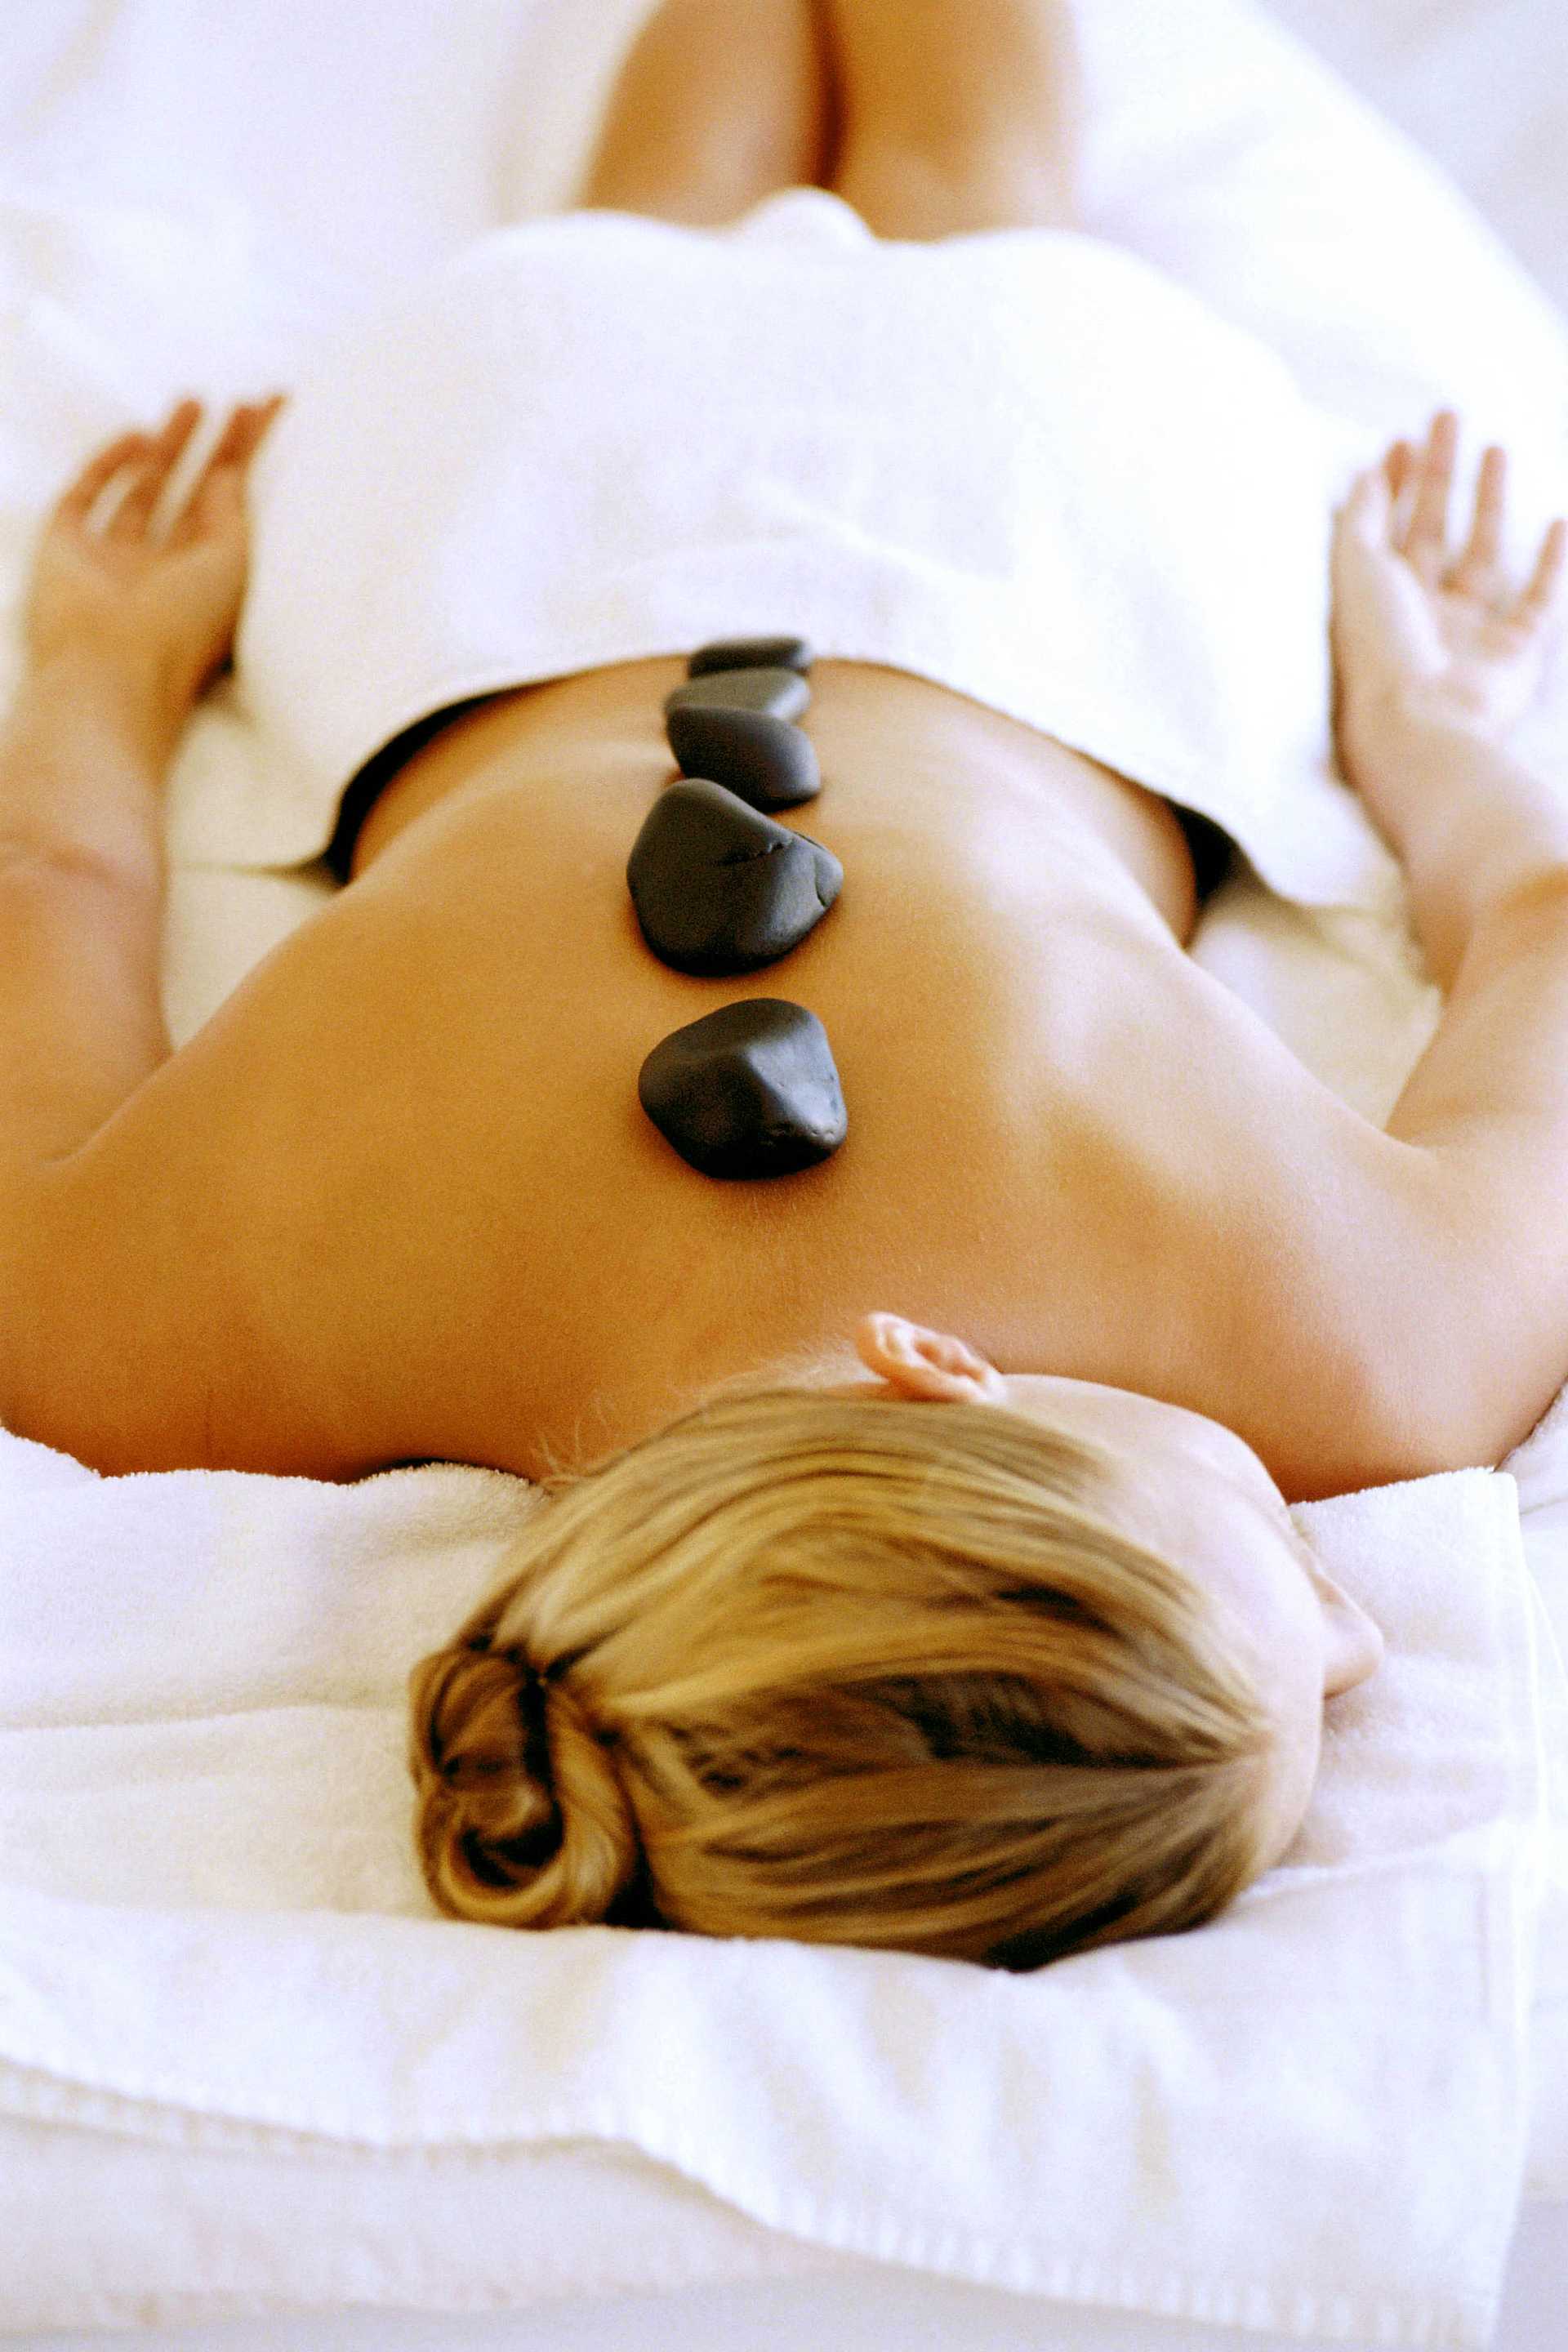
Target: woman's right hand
column 1424, row 638
column 157, row 605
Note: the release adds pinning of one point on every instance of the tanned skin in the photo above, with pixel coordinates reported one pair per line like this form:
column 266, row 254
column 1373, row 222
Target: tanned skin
column 395, row 1201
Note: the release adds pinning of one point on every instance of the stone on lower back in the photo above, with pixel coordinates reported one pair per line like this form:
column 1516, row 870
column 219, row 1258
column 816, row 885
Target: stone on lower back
column 748, row 1091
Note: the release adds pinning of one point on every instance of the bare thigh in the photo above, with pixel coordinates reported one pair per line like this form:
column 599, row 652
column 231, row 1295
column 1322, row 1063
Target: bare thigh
column 720, row 104
column 955, row 116
column 932, row 118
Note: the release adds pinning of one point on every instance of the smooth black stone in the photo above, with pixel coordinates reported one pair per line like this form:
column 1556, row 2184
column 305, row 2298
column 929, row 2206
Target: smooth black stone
column 782, row 693
column 750, row 1090
column 752, row 653
column 721, row 889
column 765, row 761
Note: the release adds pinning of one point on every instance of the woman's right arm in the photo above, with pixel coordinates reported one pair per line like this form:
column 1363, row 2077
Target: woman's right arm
column 1437, row 660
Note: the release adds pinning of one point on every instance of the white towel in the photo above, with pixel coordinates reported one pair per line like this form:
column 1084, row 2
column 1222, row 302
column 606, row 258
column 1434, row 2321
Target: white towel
column 1310, row 2115
column 952, row 459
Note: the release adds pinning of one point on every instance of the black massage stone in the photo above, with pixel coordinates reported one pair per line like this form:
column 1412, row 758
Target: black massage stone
column 721, row 889
column 766, row 762
column 782, row 693
column 750, row 1090
column 751, row 653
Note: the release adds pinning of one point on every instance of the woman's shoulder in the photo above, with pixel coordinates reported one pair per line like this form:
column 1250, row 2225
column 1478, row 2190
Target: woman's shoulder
column 222, row 1277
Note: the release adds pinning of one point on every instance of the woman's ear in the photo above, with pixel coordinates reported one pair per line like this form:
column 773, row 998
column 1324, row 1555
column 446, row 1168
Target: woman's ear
column 922, row 1364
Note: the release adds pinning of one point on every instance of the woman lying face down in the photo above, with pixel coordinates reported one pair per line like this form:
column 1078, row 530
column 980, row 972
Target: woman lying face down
column 891, row 1648
column 992, row 1668
column 897, row 1651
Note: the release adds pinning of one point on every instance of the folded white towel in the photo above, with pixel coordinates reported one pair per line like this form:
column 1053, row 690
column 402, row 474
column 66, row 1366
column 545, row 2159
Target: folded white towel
column 211, row 1932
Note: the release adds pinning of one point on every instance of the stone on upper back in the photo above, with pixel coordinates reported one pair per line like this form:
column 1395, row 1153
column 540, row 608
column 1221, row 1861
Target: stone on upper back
column 751, row 653
column 765, row 760
column 782, row 693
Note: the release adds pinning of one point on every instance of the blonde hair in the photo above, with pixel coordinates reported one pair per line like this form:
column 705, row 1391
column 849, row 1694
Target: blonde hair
column 860, row 1670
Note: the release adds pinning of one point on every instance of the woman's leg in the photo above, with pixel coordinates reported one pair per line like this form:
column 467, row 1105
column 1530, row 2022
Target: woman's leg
column 956, row 115
column 720, row 103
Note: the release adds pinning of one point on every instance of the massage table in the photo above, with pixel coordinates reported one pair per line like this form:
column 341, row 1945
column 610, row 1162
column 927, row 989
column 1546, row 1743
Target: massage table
column 252, row 2092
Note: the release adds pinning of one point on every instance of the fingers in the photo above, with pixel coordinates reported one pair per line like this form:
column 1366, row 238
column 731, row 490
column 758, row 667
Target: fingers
column 1425, row 538
column 95, row 477
column 1413, row 485
column 1478, row 569
column 242, row 435
column 1404, row 500
column 152, row 458
column 1546, row 583
column 162, row 454
column 222, row 475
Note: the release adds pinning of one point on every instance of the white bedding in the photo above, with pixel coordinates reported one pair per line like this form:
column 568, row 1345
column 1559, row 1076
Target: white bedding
column 151, row 238
column 208, row 1752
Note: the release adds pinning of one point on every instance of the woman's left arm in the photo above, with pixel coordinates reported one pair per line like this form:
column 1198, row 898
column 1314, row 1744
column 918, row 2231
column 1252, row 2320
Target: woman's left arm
column 124, row 629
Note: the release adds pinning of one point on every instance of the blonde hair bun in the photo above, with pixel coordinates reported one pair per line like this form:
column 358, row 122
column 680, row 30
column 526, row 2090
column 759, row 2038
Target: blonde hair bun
column 524, row 1821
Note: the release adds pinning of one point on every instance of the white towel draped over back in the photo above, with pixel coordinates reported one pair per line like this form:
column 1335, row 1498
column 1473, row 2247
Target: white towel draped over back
column 1023, row 464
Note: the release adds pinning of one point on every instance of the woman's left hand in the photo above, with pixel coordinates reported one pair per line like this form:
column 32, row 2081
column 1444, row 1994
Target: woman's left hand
column 1423, row 631
column 160, row 611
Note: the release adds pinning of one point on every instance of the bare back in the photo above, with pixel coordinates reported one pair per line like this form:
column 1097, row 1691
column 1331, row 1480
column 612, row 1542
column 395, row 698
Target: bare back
column 398, row 1200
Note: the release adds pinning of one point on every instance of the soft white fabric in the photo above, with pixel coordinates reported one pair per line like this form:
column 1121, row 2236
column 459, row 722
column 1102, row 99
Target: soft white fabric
column 187, row 203
column 1540, row 1469
column 208, row 1749
column 544, row 459
column 1505, row 144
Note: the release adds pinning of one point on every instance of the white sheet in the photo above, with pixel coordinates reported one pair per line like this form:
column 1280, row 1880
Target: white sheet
column 1480, row 84
column 152, row 240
